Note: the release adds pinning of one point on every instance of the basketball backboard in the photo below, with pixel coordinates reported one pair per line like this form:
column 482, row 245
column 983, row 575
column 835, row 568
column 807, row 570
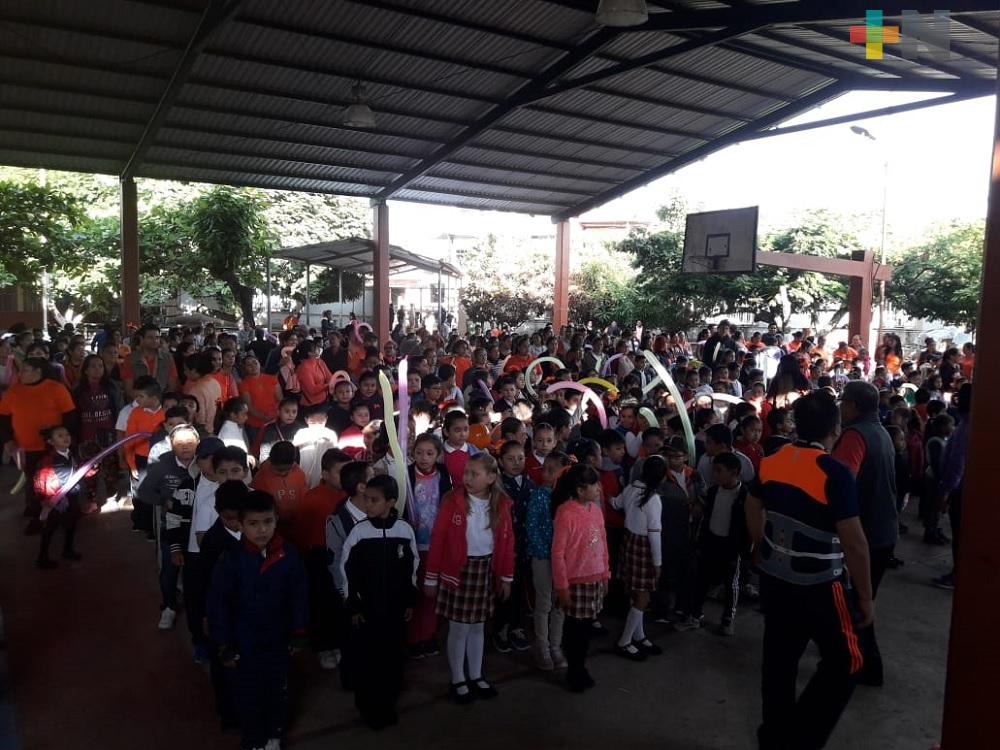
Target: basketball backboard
column 721, row 241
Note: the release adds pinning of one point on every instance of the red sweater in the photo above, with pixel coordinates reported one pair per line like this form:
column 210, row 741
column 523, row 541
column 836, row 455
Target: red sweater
column 448, row 552
column 533, row 468
column 579, row 545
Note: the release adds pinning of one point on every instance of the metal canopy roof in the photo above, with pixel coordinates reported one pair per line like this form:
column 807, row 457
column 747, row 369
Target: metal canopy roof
column 357, row 254
column 519, row 105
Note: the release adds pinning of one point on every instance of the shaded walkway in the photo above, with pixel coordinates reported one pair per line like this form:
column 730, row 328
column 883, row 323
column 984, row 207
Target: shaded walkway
column 89, row 669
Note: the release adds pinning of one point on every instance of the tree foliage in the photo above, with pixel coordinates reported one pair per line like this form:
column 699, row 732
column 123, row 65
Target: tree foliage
column 941, row 278
column 38, row 231
column 672, row 299
column 505, row 283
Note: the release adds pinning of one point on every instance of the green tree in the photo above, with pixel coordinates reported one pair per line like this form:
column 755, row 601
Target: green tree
column 505, row 282
column 670, row 298
column 941, row 279
column 233, row 241
column 38, row 231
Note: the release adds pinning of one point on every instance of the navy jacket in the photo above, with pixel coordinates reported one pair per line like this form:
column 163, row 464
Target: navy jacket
column 258, row 600
column 520, row 497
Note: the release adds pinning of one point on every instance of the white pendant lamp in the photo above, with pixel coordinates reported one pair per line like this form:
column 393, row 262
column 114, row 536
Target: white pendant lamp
column 622, row 12
column 359, row 114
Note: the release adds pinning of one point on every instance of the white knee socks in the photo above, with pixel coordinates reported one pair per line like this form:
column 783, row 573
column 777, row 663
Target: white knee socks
column 474, row 650
column 633, row 627
column 458, row 637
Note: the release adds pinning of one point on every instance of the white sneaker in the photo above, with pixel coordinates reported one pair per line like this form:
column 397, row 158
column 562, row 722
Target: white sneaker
column 273, row 744
column 167, row 619
column 329, row 660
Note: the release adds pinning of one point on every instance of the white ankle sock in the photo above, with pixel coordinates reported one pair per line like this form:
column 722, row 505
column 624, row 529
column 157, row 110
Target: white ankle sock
column 640, row 631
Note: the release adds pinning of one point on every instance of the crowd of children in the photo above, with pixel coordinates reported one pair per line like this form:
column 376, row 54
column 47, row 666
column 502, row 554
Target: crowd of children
column 267, row 483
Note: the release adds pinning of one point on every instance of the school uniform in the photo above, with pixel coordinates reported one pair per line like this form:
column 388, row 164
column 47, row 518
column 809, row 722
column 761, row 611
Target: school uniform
column 510, row 613
column 53, row 472
column 217, row 541
column 379, row 566
column 455, row 459
column 338, row 526
column 679, row 578
column 641, row 551
column 467, row 560
column 428, row 491
column 257, row 608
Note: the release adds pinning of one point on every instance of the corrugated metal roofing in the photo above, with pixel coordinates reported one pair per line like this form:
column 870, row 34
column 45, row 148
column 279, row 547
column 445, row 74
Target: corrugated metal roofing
column 355, row 254
column 475, row 102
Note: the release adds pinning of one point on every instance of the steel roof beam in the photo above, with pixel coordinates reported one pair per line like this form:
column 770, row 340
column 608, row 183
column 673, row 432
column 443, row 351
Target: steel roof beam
column 836, row 54
column 791, row 14
column 644, row 61
column 216, row 13
column 872, row 113
column 522, row 96
column 539, row 41
column 888, row 51
column 700, row 152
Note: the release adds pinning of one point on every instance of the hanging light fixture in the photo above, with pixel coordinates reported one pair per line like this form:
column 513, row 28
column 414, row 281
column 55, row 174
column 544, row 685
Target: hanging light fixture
column 359, row 114
column 622, row 13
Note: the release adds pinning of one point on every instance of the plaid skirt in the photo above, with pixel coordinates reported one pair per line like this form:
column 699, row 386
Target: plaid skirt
column 635, row 563
column 473, row 600
column 586, row 599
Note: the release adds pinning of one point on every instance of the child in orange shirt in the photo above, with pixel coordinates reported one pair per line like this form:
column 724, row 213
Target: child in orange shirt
column 281, row 477
column 145, row 417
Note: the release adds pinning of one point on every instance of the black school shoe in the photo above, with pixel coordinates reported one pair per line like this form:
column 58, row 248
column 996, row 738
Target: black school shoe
column 631, row 652
column 430, row 648
column 44, row 563
column 72, row 554
column 483, row 689
column 579, row 682
column 648, row 647
column 462, row 699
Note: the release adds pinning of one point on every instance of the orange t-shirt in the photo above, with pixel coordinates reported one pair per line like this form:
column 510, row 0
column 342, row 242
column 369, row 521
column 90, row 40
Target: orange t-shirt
column 227, row 385
column 287, row 492
column 515, row 362
column 34, row 407
column 309, row 528
column 968, row 364
column 892, row 363
column 140, row 420
column 260, row 390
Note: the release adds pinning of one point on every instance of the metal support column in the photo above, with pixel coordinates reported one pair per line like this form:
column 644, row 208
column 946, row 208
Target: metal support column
column 560, row 296
column 130, row 254
column 973, row 650
column 340, row 298
column 267, row 325
column 380, row 277
column 306, row 310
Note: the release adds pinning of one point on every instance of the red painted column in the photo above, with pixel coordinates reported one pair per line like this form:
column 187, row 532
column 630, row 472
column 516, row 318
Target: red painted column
column 130, row 254
column 859, row 299
column 380, row 278
column 560, row 296
column 974, row 649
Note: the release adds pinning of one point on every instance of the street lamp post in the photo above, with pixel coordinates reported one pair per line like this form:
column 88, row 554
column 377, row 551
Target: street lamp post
column 865, row 133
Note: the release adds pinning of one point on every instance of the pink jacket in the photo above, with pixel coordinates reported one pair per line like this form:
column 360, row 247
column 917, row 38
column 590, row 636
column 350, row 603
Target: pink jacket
column 579, row 545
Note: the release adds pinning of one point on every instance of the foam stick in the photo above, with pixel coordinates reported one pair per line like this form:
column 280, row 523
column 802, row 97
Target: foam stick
column 610, row 387
column 404, row 426
column 337, row 377
column 531, row 368
column 716, row 397
column 606, row 368
column 587, row 393
column 394, row 446
column 19, row 463
column 357, row 336
column 646, row 413
column 90, row 463
column 675, row 392
column 486, row 391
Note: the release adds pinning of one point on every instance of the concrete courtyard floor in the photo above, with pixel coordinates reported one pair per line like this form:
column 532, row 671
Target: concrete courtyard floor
column 88, row 669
